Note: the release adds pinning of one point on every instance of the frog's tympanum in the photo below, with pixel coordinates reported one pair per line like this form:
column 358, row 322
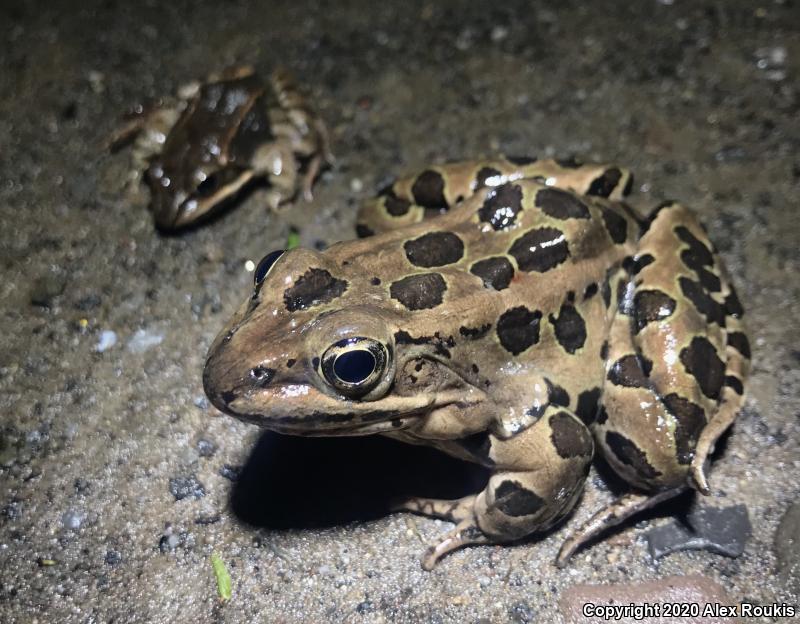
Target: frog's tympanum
column 219, row 136
column 537, row 320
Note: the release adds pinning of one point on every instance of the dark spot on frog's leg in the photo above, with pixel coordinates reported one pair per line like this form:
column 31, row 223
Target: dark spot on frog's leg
column 629, row 371
column 735, row 384
column 690, row 420
column 616, row 225
column 534, row 413
column 710, row 282
column 434, row 249
column 591, row 291
column 588, row 401
column 375, row 281
column 290, row 362
column 364, row 231
column 419, row 292
column 602, row 415
column 631, row 455
column 569, row 327
column 606, row 290
column 474, row 333
column 605, row 184
column 641, row 262
column 396, row 206
column 514, row 500
column 495, row 272
column 314, row 287
column 700, row 360
column 628, row 186
column 697, row 255
column 484, row 174
column 501, row 207
column 540, row 249
column 650, row 306
column 739, row 342
column 556, row 395
column 428, row 190
column 732, row 304
column 521, row 160
column 478, row 445
column 561, row 204
column 569, row 438
column 702, row 301
column 648, row 221
column 604, row 350
column 518, row 329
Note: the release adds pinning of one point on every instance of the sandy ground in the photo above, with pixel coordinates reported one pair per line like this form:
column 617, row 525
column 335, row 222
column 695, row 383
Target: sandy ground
column 699, row 98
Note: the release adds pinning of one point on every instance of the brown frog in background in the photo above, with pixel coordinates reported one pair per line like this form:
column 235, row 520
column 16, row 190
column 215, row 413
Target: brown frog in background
column 221, row 135
column 535, row 321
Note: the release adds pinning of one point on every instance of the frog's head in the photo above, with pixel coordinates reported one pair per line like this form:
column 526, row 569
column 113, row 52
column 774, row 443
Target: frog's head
column 312, row 353
column 191, row 188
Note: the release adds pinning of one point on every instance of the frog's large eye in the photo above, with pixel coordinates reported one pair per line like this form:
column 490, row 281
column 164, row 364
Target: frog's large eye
column 354, row 366
column 262, row 270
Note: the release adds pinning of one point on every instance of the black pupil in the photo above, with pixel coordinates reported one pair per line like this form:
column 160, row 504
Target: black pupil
column 265, row 265
column 354, row 366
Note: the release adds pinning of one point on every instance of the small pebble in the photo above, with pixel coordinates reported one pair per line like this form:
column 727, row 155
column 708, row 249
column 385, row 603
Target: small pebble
column 183, row 487
column 107, row 340
column 206, row 448
column 72, row 520
column 231, row 473
column 143, row 340
column 113, row 557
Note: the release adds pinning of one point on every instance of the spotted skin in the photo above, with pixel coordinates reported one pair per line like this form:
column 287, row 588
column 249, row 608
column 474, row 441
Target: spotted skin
column 522, row 328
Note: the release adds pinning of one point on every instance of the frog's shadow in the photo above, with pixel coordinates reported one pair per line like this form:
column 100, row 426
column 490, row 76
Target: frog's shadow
column 293, row 482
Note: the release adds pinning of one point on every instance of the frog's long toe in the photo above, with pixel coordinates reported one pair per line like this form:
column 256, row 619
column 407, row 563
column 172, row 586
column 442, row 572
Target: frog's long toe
column 610, row 516
column 465, row 533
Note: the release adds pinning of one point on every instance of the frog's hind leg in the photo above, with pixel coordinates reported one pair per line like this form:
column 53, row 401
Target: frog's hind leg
column 438, row 188
column 675, row 367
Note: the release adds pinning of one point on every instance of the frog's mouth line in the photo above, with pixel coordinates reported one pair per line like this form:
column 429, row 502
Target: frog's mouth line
column 396, row 424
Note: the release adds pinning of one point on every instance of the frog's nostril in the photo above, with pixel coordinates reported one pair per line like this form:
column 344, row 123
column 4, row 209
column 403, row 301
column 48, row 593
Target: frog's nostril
column 261, row 375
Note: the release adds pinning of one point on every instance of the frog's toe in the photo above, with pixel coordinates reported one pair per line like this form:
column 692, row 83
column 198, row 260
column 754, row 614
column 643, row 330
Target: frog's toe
column 452, row 510
column 615, row 513
column 465, row 533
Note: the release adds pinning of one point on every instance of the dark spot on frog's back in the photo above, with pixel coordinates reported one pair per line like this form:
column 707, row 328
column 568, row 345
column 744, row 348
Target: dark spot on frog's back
column 650, row 306
column 314, row 287
column 428, row 190
column 396, row 206
column 700, row 360
column 495, row 272
column 690, row 420
column 631, row 455
column 739, row 341
column 616, row 225
column 364, row 231
column 569, row 327
column 521, row 160
column 511, row 498
column 486, row 173
column 502, row 206
column 474, row 333
column 569, row 437
column 605, row 184
column 419, row 292
column 434, row 249
column 518, row 329
column 561, row 204
column 540, row 249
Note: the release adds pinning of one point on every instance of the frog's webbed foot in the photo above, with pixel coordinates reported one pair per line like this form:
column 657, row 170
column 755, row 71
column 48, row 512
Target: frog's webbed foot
column 612, row 515
column 465, row 533
column 451, row 510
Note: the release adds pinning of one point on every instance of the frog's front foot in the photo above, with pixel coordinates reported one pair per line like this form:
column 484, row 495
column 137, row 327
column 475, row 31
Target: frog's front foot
column 465, row 533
